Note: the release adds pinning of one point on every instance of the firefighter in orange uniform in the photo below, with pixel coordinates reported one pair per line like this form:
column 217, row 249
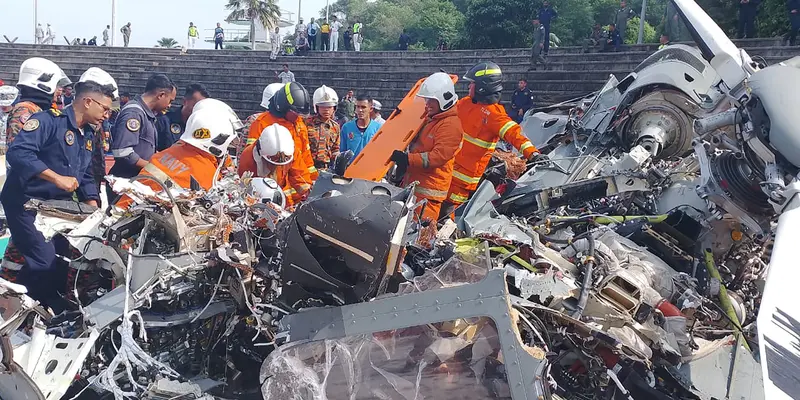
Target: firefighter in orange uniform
column 286, row 108
column 273, row 156
column 204, row 144
column 485, row 122
column 430, row 157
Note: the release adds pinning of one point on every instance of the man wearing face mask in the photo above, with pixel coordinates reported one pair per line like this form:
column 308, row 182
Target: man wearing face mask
column 134, row 136
column 287, row 107
column 430, row 157
column 50, row 159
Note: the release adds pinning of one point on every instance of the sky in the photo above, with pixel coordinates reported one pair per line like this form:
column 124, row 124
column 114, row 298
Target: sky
column 150, row 19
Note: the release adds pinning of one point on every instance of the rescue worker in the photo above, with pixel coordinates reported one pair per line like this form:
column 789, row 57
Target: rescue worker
column 100, row 143
column 269, row 91
column 286, row 108
column 274, row 156
column 170, row 127
column 39, row 80
column 134, row 134
column 485, row 122
column 192, row 35
column 51, row 160
column 521, row 101
column 323, row 131
column 202, row 147
column 431, row 155
column 376, row 112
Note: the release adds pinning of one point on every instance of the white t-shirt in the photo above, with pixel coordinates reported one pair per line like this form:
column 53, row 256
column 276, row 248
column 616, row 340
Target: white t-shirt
column 313, row 27
column 335, row 26
column 275, row 37
column 286, row 76
column 301, row 27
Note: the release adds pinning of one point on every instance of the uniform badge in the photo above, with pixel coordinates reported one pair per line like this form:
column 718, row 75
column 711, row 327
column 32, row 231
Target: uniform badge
column 89, row 145
column 351, row 136
column 31, row 125
column 133, row 125
column 201, row 133
column 69, row 137
column 175, row 129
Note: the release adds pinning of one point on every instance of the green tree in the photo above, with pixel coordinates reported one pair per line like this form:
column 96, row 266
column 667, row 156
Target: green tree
column 265, row 12
column 632, row 33
column 499, row 24
column 167, row 43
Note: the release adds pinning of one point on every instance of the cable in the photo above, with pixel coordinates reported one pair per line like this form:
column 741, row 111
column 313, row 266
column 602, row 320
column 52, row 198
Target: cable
column 587, row 280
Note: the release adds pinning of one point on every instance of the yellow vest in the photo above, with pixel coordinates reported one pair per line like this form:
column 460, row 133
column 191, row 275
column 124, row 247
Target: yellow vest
column 193, row 31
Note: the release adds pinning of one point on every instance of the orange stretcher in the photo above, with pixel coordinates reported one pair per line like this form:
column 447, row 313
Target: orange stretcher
column 397, row 133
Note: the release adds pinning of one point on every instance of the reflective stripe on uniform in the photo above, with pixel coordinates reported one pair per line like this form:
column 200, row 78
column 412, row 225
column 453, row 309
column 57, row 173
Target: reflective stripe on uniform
column 288, row 90
column 432, row 193
column 480, row 143
column 457, row 198
column 312, row 169
column 290, row 192
column 304, row 187
column 119, row 153
column 251, row 140
column 425, row 161
column 505, row 128
column 525, row 146
column 488, row 72
column 465, row 178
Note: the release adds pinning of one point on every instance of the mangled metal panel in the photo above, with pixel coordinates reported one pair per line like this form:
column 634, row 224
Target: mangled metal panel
column 361, row 350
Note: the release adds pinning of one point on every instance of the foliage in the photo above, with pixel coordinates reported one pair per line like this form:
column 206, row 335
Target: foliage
column 167, row 43
column 632, row 33
column 265, row 11
column 481, row 24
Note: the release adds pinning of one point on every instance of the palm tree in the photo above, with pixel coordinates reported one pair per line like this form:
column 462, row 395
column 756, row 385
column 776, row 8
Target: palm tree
column 266, row 12
column 167, row 43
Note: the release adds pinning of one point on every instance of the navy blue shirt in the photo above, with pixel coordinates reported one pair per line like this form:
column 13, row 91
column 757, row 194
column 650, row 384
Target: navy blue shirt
column 133, row 137
column 68, row 100
column 50, row 140
column 170, row 128
column 546, row 15
column 522, row 99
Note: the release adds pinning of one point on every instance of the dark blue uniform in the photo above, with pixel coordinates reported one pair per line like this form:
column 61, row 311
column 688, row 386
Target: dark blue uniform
column 170, row 128
column 521, row 100
column 133, row 137
column 48, row 140
column 547, row 15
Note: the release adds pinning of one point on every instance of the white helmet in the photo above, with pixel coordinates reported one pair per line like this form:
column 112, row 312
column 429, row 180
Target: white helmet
column 100, row 77
column 325, row 96
column 42, row 74
column 209, row 130
column 269, row 91
column 376, row 105
column 219, row 105
column 266, row 190
column 275, row 145
column 439, row 86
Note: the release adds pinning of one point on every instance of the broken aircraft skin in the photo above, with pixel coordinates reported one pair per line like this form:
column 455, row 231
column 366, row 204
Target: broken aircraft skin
column 651, row 257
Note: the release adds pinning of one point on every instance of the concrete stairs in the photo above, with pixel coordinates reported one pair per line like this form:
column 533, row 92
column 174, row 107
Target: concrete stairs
column 238, row 77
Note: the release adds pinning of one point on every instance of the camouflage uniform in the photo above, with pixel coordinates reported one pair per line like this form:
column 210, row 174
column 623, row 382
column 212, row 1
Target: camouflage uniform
column 323, row 136
column 18, row 116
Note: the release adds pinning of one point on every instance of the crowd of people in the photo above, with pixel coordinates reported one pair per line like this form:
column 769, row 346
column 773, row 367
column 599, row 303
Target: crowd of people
column 322, row 35
column 58, row 133
column 49, row 36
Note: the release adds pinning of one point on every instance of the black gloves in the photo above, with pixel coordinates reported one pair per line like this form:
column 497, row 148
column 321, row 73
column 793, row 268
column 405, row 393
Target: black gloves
column 539, row 158
column 401, row 160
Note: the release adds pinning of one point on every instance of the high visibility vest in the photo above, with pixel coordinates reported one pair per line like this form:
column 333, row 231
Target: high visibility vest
column 193, row 31
column 325, row 28
column 357, row 27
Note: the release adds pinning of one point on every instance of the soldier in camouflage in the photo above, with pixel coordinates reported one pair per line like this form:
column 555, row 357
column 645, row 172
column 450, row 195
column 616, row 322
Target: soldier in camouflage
column 323, row 131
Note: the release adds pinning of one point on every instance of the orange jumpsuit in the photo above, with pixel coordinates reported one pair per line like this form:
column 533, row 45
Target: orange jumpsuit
column 484, row 125
column 293, row 178
column 431, row 157
column 299, row 134
column 180, row 162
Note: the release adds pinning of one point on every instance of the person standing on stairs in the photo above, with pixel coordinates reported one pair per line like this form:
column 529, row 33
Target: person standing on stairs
column 325, row 36
column 193, row 35
column 793, row 9
column 286, row 76
column 521, row 101
column 313, row 30
column 105, row 35
column 126, row 33
column 621, row 18
column 348, row 39
column 39, row 34
column 275, row 42
column 546, row 16
column 748, row 9
column 335, row 26
column 539, row 43
column 358, row 34
column 50, row 36
column 134, row 135
column 219, row 37
column 485, row 122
